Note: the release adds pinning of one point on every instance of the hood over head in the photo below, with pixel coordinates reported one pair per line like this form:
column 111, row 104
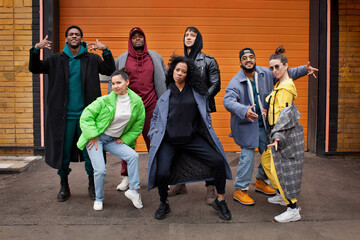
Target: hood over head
column 131, row 49
column 198, row 44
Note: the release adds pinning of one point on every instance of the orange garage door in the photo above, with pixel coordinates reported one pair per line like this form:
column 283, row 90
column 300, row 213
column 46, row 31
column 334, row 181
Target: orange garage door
column 226, row 26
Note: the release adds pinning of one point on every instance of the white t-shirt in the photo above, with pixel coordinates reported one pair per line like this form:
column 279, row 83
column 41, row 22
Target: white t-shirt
column 122, row 116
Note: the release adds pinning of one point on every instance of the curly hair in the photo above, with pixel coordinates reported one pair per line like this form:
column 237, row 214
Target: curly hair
column 192, row 76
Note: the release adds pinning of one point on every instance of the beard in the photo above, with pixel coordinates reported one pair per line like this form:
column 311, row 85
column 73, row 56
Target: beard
column 249, row 70
column 139, row 48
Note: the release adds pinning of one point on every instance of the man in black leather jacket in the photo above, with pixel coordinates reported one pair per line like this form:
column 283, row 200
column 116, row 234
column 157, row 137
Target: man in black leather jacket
column 209, row 72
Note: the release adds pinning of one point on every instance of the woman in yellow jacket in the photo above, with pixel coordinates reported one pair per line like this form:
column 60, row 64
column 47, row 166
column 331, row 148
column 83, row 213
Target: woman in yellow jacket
column 286, row 136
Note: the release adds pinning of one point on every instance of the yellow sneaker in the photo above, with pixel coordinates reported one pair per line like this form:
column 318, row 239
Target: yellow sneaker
column 242, row 197
column 262, row 187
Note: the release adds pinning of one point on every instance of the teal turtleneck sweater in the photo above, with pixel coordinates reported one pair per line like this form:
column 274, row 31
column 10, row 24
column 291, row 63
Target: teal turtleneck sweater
column 75, row 104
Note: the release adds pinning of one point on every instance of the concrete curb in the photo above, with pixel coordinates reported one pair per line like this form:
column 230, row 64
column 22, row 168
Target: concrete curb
column 14, row 164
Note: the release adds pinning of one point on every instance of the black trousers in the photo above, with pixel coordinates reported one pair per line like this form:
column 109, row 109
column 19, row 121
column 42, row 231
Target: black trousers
column 199, row 147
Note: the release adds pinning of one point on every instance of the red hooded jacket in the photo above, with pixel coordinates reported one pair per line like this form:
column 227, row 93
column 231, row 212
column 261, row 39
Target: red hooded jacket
column 141, row 72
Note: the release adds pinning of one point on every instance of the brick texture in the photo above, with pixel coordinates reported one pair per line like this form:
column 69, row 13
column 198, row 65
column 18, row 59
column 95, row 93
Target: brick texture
column 349, row 74
column 16, row 98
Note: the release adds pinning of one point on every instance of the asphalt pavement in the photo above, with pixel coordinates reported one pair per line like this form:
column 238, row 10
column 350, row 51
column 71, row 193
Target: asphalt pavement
column 329, row 201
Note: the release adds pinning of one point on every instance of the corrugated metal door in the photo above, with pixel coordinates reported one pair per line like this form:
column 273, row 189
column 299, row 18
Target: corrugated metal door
column 227, row 26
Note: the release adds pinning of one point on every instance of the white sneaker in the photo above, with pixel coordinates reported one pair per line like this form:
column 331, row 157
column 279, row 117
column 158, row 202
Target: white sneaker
column 277, row 199
column 135, row 198
column 290, row 215
column 124, row 185
column 98, row 206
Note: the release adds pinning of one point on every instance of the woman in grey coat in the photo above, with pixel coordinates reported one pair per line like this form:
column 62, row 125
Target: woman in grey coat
column 184, row 147
column 282, row 161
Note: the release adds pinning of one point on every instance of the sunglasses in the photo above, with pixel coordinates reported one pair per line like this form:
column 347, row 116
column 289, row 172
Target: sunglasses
column 275, row 67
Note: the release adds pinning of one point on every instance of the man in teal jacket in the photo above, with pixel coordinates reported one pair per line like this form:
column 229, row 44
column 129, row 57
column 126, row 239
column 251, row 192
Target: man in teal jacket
column 73, row 83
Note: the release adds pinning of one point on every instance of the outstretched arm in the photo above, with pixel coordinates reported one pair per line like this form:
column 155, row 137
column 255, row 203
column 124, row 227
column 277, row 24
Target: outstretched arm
column 302, row 71
column 35, row 64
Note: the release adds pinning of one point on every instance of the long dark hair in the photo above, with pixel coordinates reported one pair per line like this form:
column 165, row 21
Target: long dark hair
column 192, row 77
column 279, row 55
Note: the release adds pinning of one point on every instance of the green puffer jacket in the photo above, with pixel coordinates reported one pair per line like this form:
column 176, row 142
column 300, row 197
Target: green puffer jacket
column 97, row 117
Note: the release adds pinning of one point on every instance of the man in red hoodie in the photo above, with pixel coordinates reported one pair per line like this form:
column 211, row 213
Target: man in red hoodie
column 147, row 79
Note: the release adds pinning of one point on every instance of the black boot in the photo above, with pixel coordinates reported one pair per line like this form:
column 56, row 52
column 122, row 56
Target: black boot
column 91, row 188
column 64, row 193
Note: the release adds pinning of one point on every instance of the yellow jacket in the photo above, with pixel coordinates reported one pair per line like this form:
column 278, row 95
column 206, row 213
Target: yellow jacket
column 283, row 95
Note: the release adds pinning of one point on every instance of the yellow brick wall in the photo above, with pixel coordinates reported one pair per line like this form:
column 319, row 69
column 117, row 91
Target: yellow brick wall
column 16, row 98
column 349, row 76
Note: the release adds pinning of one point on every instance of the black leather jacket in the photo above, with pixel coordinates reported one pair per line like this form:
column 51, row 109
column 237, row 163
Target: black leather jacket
column 210, row 74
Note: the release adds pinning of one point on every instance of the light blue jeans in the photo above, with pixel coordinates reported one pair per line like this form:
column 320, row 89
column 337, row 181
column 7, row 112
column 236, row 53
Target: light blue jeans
column 246, row 164
column 120, row 150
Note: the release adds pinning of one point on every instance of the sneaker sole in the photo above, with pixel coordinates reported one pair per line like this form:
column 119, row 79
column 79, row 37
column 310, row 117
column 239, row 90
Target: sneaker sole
column 261, row 191
column 247, row 204
column 282, row 203
column 290, row 220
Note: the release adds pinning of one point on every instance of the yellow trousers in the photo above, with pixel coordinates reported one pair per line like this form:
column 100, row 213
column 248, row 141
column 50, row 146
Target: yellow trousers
column 268, row 165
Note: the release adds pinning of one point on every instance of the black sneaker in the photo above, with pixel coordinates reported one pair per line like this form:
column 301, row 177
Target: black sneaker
column 222, row 208
column 161, row 212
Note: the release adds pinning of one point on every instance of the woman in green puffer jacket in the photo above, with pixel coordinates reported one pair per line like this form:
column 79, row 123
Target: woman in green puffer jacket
column 113, row 123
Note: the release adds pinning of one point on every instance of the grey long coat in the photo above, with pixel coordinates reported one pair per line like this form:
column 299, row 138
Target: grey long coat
column 289, row 158
column 189, row 169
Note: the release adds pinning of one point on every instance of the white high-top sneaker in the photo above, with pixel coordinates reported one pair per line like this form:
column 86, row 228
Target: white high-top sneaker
column 277, row 199
column 124, row 185
column 290, row 215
